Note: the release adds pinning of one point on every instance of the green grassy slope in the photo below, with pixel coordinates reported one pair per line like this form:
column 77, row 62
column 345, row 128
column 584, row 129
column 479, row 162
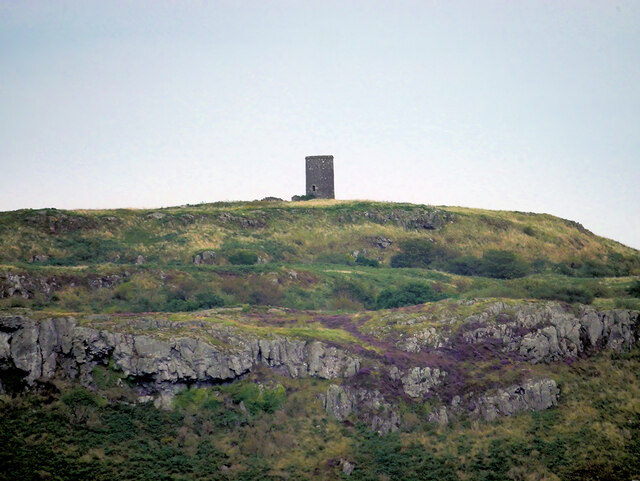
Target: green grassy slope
column 312, row 255
column 291, row 232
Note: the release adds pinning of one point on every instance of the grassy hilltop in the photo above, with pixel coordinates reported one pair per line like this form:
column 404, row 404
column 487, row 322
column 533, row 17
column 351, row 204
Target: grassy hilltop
column 446, row 310
column 323, row 254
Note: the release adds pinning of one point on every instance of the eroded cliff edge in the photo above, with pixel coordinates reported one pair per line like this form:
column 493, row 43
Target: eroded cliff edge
column 439, row 354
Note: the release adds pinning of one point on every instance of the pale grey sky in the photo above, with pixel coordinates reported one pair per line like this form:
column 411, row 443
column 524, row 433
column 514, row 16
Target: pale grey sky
column 527, row 105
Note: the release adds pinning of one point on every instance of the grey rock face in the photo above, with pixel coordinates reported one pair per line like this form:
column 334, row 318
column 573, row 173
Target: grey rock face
column 417, row 381
column 106, row 282
column 341, row 402
column 205, row 257
column 26, row 353
column 427, row 338
column 550, row 332
column 244, row 222
column 41, row 349
column 531, row 395
column 347, row 467
column 382, row 242
column 568, row 336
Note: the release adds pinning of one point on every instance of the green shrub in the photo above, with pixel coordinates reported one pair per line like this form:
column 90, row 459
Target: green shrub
column 407, row 295
column 464, row 265
column 419, row 253
column 259, row 398
column 243, row 258
column 594, row 269
column 503, row 265
column 562, row 268
column 207, row 300
column 539, row 265
column 364, row 261
column 354, row 290
column 634, row 289
column 494, row 263
column 80, row 250
column 569, row 294
column 80, row 397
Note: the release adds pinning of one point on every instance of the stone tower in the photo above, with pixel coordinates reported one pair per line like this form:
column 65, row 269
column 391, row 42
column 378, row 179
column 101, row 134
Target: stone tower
column 320, row 176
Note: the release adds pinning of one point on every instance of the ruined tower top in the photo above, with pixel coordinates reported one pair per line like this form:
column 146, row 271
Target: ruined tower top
column 320, row 176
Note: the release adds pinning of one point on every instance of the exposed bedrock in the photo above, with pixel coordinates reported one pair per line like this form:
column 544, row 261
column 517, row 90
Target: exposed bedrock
column 43, row 349
column 538, row 331
column 528, row 395
column 368, row 405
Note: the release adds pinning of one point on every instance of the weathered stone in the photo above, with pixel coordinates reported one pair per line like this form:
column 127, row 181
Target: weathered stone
column 25, row 351
column 339, row 402
column 368, row 405
column 382, row 242
column 417, row 381
column 205, row 257
column 347, row 467
column 531, row 395
column 161, row 366
column 5, row 348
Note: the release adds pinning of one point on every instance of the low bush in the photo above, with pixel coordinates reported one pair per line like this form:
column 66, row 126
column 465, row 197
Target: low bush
column 246, row 258
column 407, row 295
column 503, row 265
column 464, row 266
column 594, row 269
column 494, row 263
column 419, row 253
column 569, row 294
column 355, row 291
column 259, row 398
column 364, row 261
column 634, row 289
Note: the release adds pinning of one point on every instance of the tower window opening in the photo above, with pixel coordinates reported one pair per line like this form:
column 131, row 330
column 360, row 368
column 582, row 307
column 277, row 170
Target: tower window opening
column 313, row 188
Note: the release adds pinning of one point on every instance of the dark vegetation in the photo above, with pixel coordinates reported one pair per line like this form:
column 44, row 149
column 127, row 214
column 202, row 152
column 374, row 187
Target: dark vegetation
column 406, row 295
column 247, row 430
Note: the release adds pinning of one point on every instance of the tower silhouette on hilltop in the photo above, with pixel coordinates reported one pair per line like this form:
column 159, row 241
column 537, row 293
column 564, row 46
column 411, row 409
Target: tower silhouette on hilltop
column 319, row 169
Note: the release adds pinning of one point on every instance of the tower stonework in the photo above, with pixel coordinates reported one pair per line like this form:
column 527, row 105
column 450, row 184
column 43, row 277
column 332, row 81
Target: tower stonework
column 320, row 176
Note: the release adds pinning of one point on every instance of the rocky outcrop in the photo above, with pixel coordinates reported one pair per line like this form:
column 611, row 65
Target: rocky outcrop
column 108, row 281
column 368, row 405
column 57, row 222
column 423, row 218
column 244, row 222
column 417, row 381
column 205, row 257
column 529, row 395
column 567, row 336
column 382, row 242
column 28, row 286
column 43, row 349
column 426, row 338
column 537, row 332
